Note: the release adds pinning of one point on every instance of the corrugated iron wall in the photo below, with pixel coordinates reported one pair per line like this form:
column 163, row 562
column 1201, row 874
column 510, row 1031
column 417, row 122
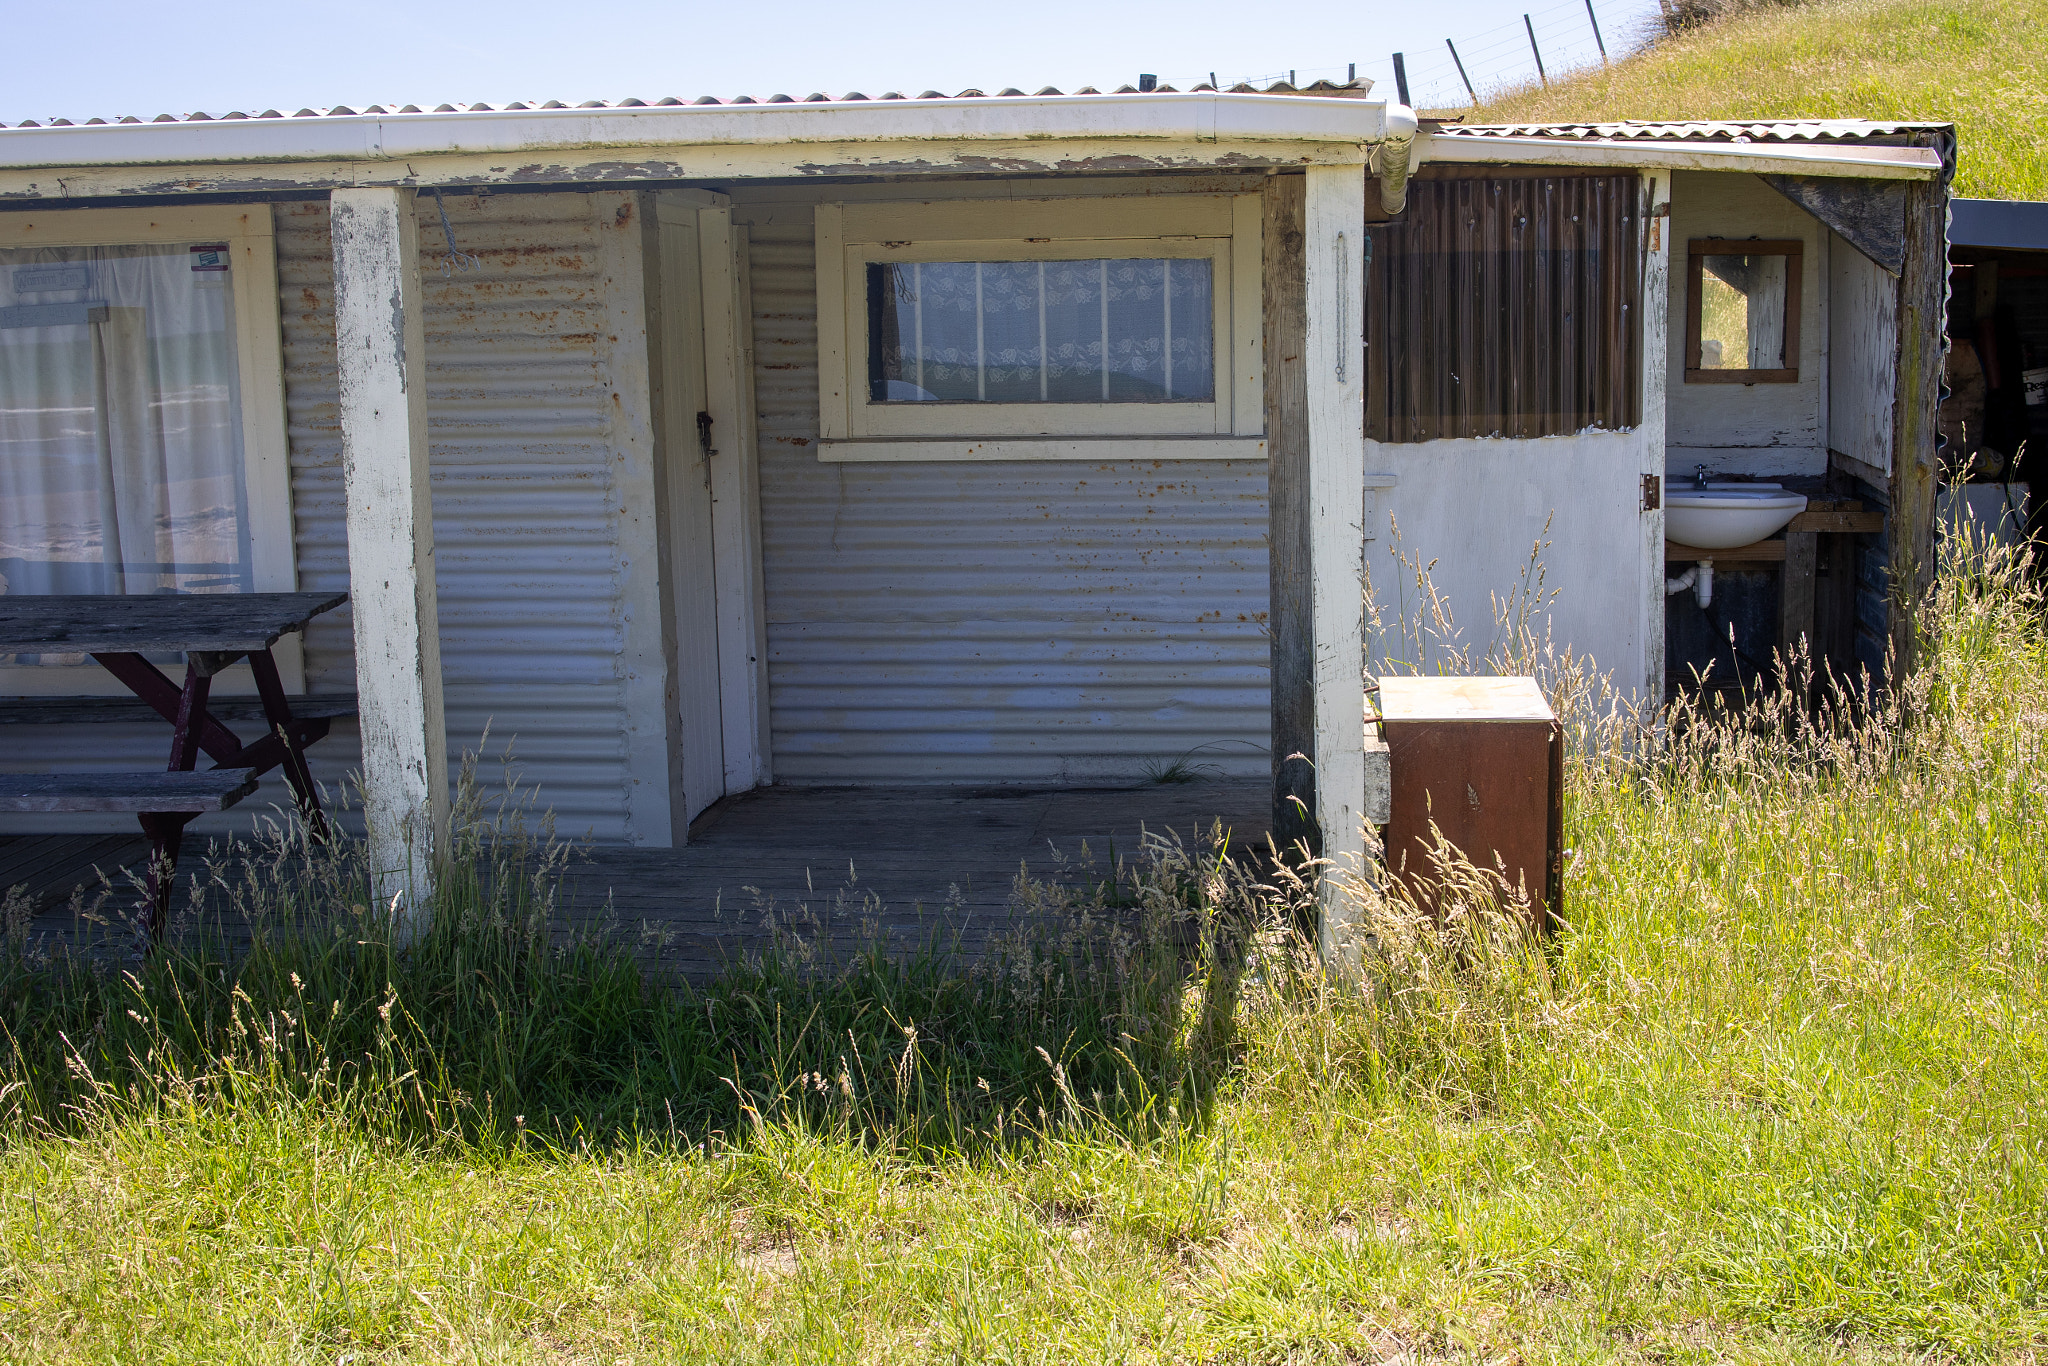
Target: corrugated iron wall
column 1028, row 622
column 526, row 503
column 1505, row 307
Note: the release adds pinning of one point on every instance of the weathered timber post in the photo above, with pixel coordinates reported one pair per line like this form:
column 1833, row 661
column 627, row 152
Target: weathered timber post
column 381, row 351
column 1922, row 352
column 1333, row 248
column 1293, row 632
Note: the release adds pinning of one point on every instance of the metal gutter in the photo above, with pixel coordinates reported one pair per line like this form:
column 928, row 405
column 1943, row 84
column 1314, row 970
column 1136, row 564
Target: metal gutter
column 1829, row 159
column 1191, row 117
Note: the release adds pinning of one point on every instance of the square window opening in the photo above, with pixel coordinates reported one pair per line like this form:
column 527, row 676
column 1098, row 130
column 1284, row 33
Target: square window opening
column 1742, row 312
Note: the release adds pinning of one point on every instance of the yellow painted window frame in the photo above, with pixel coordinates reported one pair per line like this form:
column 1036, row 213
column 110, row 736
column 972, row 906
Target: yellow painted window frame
column 250, row 235
column 1223, row 229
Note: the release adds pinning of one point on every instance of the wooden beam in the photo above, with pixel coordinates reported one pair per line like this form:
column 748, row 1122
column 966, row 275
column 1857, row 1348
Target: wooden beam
column 1292, row 631
column 629, row 348
column 1655, row 321
column 380, row 344
column 1922, row 348
column 1839, row 516
column 1796, row 592
column 1333, row 238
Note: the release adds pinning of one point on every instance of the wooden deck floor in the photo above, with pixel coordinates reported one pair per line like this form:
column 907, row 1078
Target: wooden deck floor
column 914, row 860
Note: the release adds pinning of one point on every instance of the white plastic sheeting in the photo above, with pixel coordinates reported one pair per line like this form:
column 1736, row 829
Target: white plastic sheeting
column 1016, row 622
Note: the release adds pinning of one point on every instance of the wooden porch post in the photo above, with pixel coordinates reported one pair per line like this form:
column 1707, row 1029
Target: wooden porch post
column 1922, row 351
column 381, row 349
column 1333, row 248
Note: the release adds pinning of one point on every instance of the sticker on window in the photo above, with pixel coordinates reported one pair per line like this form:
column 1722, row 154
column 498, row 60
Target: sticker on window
column 210, row 259
column 48, row 279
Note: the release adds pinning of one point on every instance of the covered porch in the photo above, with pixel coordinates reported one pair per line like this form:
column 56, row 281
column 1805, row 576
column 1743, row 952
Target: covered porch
column 831, row 863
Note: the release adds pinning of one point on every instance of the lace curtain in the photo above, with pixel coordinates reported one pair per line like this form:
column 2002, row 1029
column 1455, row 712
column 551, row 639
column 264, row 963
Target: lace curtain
column 120, row 427
column 1093, row 331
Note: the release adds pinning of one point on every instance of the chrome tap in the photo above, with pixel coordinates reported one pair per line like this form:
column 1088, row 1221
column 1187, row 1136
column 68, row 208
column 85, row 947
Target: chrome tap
column 1699, row 477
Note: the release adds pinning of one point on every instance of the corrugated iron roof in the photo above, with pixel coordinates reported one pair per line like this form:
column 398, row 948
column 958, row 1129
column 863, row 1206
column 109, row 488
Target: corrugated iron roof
column 1357, row 89
column 1705, row 130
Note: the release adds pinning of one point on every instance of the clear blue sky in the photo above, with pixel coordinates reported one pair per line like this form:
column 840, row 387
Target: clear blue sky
column 117, row 57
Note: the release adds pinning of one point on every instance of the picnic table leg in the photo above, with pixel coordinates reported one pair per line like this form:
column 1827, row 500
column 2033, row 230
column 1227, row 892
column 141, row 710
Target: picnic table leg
column 278, row 712
column 166, row 831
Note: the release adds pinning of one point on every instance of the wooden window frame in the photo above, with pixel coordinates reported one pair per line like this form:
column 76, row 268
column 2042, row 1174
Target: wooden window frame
column 1223, row 229
column 249, row 231
column 1794, row 252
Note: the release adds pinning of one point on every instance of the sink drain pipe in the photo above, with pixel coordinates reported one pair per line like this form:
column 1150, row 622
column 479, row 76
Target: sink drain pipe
column 1699, row 578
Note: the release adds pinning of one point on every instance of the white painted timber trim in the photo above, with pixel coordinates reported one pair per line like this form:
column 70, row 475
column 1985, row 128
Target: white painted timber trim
column 693, row 569
column 835, row 380
column 735, row 497
column 380, row 347
column 649, row 721
column 1246, row 319
column 1190, row 117
column 1826, row 159
column 1046, row 448
column 1656, row 352
column 1333, row 220
column 604, row 167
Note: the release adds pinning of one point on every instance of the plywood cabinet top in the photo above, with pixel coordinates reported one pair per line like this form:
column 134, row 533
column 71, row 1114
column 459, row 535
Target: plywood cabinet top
column 1462, row 699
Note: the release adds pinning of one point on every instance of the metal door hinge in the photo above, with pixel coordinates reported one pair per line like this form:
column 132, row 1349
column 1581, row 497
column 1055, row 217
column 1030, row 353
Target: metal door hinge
column 1653, row 492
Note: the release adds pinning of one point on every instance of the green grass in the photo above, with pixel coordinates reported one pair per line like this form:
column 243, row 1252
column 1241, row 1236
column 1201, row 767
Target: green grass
column 1776, row 1095
column 1979, row 64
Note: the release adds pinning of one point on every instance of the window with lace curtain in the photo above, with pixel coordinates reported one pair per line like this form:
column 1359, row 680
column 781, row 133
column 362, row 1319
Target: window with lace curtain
column 1041, row 329
column 141, row 415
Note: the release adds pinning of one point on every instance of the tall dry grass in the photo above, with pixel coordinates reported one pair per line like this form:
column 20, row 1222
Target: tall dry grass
column 1774, row 1092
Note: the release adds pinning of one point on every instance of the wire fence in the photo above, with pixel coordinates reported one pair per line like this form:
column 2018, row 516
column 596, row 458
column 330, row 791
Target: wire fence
column 1548, row 43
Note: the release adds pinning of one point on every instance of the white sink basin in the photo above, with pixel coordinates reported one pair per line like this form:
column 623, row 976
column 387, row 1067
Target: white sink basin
column 1723, row 516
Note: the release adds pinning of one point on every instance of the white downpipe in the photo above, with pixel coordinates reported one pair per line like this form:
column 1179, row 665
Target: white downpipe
column 1699, row 578
column 1396, row 153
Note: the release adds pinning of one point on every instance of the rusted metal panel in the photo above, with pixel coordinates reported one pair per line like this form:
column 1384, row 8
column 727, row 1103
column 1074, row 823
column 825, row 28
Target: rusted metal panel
column 1702, row 130
column 1491, row 782
column 526, row 505
column 1017, row 622
column 1506, row 307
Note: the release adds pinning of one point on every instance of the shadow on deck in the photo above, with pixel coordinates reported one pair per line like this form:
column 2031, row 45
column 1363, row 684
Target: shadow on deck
column 915, row 861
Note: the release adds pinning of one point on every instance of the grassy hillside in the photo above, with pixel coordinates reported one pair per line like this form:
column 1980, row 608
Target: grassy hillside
column 1980, row 64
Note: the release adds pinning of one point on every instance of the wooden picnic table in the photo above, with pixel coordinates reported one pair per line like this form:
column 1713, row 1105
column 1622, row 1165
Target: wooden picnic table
column 213, row 631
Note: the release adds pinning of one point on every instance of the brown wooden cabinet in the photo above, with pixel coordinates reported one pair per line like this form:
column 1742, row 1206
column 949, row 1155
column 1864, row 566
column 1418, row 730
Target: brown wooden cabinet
column 1483, row 759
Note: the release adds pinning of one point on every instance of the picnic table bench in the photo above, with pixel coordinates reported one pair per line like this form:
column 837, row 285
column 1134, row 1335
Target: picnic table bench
column 213, row 631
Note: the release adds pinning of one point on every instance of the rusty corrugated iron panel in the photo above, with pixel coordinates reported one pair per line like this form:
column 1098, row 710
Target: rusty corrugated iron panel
column 526, row 507
column 1703, row 130
column 1506, row 307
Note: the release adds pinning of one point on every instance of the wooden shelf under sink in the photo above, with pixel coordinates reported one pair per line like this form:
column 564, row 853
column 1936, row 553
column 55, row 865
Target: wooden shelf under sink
column 1756, row 552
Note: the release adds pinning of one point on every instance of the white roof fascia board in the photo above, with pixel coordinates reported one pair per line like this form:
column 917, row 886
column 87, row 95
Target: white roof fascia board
column 619, row 167
column 1832, row 159
column 1191, row 117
